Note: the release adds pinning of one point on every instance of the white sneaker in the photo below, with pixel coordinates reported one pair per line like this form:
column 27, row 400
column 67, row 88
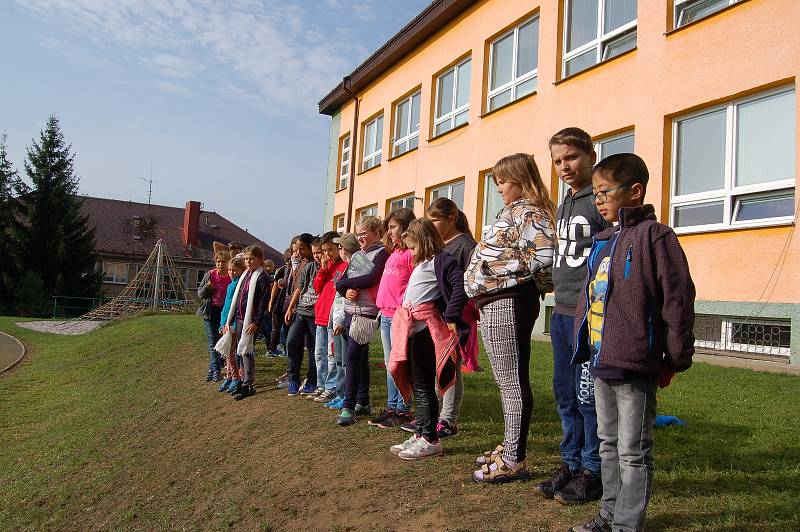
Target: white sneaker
column 422, row 449
column 408, row 444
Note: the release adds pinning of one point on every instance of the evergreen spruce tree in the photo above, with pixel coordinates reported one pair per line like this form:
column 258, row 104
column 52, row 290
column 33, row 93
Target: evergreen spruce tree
column 10, row 184
column 56, row 241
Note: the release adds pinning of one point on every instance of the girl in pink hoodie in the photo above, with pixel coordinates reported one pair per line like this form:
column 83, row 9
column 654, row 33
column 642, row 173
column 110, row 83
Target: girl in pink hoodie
column 390, row 296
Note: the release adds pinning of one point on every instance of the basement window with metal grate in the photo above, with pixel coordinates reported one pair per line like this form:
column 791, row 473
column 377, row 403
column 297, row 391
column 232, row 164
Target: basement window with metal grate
column 753, row 336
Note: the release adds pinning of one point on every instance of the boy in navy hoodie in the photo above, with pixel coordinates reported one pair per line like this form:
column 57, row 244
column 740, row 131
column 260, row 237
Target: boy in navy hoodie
column 635, row 327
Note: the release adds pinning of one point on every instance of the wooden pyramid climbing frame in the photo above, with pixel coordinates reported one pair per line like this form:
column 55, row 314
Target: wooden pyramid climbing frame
column 157, row 286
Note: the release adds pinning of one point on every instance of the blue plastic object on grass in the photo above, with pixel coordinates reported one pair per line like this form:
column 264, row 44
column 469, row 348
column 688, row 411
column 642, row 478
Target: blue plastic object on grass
column 663, row 421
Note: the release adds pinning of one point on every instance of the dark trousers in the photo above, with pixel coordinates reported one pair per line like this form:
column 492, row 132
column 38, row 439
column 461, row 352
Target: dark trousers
column 422, row 363
column 211, row 326
column 279, row 332
column 573, row 390
column 301, row 334
column 356, row 386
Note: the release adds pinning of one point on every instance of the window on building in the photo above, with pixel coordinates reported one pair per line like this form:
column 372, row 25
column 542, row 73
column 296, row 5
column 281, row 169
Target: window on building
column 371, row 210
column 596, row 30
column 344, row 162
column 492, row 201
column 687, row 11
column 198, row 276
column 115, row 272
column 453, row 191
column 406, row 124
column 452, row 98
column 604, row 147
column 338, row 223
column 400, row 203
column 373, row 143
column 760, row 336
column 733, row 165
column 513, row 64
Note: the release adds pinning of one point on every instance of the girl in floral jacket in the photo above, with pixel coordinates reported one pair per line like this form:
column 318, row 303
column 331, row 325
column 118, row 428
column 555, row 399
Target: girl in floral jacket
column 508, row 272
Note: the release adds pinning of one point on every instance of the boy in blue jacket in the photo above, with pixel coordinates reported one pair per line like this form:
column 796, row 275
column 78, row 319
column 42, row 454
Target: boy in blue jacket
column 635, row 326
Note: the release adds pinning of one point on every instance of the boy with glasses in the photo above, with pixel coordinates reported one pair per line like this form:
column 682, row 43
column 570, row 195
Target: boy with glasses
column 635, row 329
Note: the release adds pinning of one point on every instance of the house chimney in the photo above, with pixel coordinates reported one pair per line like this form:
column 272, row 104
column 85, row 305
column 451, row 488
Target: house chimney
column 191, row 223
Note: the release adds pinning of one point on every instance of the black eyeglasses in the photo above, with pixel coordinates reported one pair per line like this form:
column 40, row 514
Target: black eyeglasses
column 601, row 196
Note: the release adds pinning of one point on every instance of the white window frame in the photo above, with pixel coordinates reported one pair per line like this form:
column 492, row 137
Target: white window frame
column 601, row 40
column 403, row 200
column 515, row 80
column 344, row 162
column 449, row 188
column 451, row 116
column 369, row 210
column 374, row 158
column 489, row 187
column 199, row 274
column 404, row 143
column 115, row 278
column 730, row 193
column 338, row 223
column 598, row 148
column 679, row 6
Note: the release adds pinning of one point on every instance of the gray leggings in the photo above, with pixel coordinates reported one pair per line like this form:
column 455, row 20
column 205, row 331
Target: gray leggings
column 450, row 403
column 248, row 369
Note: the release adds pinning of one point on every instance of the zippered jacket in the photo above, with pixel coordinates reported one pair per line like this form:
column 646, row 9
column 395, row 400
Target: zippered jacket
column 649, row 304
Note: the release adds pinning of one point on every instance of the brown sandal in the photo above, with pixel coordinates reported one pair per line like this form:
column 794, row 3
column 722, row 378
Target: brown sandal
column 502, row 473
column 488, row 456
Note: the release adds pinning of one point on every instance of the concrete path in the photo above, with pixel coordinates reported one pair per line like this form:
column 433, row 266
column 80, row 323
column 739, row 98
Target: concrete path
column 68, row 327
column 11, row 351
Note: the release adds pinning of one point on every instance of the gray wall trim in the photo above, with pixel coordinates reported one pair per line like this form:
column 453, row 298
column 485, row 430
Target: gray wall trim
column 789, row 311
column 333, row 171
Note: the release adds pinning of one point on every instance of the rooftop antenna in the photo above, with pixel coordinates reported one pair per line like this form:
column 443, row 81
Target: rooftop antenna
column 149, row 182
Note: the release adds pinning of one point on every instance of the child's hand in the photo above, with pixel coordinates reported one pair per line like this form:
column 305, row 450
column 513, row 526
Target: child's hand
column 225, row 329
column 665, row 378
column 251, row 329
column 338, row 330
column 351, row 294
column 453, row 327
column 288, row 318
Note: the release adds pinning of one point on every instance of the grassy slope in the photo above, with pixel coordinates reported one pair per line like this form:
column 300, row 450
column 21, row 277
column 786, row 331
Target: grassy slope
column 116, row 429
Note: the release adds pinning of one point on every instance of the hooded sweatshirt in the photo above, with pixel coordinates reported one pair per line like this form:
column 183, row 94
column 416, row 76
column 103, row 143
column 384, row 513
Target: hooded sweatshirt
column 577, row 222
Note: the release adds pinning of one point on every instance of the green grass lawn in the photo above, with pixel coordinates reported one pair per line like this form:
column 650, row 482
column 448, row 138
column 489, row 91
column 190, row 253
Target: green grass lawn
column 117, row 429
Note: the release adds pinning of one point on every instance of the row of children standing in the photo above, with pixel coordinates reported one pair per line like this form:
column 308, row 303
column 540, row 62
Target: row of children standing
column 417, row 295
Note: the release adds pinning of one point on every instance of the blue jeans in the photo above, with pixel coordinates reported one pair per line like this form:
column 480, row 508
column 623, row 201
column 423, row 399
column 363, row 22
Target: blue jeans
column 573, row 390
column 394, row 400
column 211, row 326
column 331, row 383
column 321, row 355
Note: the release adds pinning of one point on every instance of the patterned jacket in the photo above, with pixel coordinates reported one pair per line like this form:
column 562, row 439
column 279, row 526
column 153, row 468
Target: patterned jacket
column 519, row 244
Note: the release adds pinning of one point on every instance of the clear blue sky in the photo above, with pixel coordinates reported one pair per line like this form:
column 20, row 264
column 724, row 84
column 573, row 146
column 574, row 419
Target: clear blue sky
column 220, row 96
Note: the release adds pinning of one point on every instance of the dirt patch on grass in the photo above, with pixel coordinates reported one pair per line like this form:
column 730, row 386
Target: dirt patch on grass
column 66, row 327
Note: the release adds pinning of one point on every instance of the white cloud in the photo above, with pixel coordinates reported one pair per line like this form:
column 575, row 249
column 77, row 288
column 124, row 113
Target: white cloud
column 172, row 65
column 172, row 88
column 270, row 45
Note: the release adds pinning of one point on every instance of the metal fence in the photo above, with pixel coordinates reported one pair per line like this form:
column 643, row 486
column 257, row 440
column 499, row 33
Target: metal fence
column 72, row 307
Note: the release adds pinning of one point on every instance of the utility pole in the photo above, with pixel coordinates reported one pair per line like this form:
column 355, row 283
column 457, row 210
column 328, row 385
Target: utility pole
column 149, row 182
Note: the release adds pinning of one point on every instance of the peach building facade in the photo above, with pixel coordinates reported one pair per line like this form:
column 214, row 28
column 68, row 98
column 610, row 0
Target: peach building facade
column 703, row 90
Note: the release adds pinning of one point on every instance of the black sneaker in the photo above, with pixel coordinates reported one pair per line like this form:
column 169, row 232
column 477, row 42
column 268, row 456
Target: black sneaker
column 363, row 410
column 558, row 481
column 445, row 429
column 584, row 487
column 598, row 524
column 411, row 426
column 244, row 392
column 381, row 418
column 396, row 420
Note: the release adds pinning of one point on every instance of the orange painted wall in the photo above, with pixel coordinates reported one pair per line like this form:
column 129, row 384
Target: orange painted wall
column 748, row 47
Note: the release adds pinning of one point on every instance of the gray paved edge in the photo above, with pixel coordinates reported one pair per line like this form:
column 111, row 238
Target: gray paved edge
column 11, row 351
